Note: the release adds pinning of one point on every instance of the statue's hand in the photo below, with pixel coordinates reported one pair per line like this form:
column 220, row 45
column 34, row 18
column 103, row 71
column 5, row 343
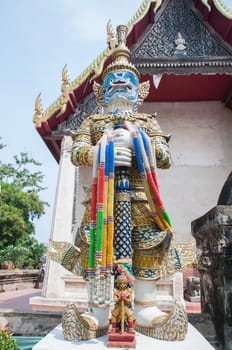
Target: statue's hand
column 123, row 146
column 122, row 156
column 122, row 138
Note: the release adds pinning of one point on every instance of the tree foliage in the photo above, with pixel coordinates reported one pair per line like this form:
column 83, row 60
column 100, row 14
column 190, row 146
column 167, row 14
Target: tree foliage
column 20, row 205
column 6, row 340
column 25, row 254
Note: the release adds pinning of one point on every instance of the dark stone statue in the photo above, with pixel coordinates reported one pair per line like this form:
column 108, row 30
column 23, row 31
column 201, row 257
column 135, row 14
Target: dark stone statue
column 225, row 197
column 213, row 234
column 193, row 288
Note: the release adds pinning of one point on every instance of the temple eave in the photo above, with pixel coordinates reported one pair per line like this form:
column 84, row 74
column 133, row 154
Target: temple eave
column 186, row 75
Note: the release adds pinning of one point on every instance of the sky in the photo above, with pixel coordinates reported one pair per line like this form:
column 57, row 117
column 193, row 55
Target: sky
column 37, row 39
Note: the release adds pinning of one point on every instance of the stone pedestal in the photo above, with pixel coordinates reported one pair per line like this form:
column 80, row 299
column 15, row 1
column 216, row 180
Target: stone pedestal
column 55, row 341
column 195, row 299
column 54, row 283
column 213, row 234
column 74, row 290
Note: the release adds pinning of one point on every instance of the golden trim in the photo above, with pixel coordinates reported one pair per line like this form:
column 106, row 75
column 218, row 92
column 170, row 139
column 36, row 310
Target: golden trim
column 102, row 331
column 145, row 303
column 128, row 67
column 171, row 327
column 146, row 262
column 221, row 7
column 95, row 67
column 147, row 278
column 38, row 109
column 187, row 253
column 65, row 89
column 142, row 11
column 48, row 112
column 159, row 319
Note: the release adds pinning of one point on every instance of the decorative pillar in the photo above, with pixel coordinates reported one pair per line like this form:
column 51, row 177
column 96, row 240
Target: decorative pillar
column 213, row 234
column 61, row 229
column 60, row 286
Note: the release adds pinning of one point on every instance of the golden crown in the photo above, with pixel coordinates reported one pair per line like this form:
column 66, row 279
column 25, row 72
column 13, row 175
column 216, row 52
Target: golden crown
column 121, row 55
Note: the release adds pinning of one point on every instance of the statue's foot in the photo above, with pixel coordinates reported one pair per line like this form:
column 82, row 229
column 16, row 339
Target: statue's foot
column 172, row 326
column 81, row 326
column 148, row 315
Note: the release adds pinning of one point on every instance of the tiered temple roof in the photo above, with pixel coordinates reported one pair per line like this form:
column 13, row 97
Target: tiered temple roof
column 184, row 47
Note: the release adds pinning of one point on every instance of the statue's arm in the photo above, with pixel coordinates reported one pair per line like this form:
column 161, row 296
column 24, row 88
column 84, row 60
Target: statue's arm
column 129, row 297
column 116, row 295
column 82, row 148
column 162, row 151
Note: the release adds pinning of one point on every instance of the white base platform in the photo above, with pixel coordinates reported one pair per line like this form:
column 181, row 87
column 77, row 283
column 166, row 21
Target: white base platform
column 55, row 341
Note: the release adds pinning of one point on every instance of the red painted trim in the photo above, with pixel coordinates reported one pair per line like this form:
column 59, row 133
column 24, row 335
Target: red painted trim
column 56, row 149
column 228, row 33
column 46, row 127
column 220, row 23
column 139, row 28
column 195, row 87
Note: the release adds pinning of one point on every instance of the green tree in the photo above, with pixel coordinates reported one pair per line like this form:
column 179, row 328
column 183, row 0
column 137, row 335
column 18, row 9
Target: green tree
column 20, row 205
column 25, row 254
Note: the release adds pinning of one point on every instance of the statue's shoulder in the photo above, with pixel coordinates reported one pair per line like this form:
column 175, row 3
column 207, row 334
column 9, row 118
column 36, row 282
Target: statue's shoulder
column 143, row 116
column 150, row 124
column 92, row 117
column 98, row 117
column 87, row 123
column 147, row 121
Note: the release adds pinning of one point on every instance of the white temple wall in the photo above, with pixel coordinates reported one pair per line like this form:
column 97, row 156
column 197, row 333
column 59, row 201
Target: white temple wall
column 201, row 148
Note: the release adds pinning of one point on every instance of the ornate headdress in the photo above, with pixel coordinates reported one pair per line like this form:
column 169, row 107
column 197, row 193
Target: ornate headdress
column 121, row 64
column 121, row 55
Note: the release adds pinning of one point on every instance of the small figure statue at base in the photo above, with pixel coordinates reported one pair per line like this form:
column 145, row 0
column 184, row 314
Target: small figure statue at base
column 122, row 333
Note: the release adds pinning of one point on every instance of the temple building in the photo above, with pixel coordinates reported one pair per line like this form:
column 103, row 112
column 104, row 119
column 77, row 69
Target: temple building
column 184, row 48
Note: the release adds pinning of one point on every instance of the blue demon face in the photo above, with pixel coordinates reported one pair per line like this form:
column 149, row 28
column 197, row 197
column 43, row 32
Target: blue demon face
column 120, row 85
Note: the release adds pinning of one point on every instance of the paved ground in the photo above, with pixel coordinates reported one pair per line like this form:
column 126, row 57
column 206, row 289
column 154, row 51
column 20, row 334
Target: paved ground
column 18, row 300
